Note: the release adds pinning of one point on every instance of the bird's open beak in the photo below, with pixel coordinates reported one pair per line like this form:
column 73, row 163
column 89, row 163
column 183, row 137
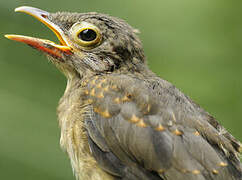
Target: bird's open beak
column 53, row 49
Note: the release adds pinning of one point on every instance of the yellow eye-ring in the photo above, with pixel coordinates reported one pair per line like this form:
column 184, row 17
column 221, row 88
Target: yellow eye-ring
column 86, row 34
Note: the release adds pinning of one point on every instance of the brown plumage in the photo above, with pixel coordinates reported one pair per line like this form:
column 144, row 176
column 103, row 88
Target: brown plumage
column 118, row 119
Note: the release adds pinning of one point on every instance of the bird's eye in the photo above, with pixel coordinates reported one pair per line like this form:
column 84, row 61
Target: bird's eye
column 86, row 34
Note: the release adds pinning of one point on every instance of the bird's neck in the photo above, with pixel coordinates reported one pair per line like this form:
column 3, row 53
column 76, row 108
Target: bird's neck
column 66, row 105
column 140, row 69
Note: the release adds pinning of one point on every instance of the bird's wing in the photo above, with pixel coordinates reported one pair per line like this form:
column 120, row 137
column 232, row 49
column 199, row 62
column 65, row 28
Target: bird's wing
column 150, row 129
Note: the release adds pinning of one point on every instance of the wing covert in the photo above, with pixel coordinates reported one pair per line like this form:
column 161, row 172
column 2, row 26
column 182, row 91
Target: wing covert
column 144, row 130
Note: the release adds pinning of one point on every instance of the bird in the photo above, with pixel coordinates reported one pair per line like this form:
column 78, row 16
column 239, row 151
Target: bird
column 120, row 121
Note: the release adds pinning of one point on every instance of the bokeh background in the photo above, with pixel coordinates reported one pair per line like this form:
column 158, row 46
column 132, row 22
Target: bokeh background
column 195, row 44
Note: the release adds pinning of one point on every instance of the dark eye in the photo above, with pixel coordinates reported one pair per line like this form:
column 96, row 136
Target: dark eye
column 87, row 35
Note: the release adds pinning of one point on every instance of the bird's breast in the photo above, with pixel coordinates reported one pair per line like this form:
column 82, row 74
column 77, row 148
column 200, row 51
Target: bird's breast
column 71, row 114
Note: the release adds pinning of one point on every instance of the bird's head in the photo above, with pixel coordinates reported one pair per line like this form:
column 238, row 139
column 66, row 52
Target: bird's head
column 90, row 43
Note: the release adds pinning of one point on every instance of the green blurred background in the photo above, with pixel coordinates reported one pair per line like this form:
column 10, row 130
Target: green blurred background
column 195, row 44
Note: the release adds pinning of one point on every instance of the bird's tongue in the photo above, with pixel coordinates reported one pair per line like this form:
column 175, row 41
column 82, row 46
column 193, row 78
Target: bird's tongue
column 44, row 45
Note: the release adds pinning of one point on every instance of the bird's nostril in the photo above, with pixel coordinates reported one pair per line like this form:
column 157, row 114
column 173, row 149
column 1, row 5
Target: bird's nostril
column 43, row 15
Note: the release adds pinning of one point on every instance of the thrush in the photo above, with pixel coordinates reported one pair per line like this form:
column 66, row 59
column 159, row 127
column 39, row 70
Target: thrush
column 119, row 120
